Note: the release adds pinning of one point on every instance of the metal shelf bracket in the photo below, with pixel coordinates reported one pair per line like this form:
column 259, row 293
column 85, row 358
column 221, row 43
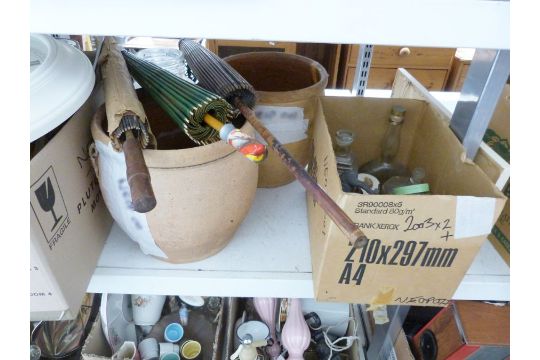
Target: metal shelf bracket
column 362, row 69
column 481, row 91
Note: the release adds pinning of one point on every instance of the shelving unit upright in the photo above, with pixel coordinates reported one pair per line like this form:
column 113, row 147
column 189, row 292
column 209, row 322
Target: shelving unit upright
column 245, row 267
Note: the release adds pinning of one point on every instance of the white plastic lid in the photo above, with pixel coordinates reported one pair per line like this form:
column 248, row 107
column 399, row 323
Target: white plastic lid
column 61, row 80
column 195, row 301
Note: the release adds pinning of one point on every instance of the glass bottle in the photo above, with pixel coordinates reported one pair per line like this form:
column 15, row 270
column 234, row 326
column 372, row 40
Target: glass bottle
column 418, row 174
column 385, row 166
column 345, row 159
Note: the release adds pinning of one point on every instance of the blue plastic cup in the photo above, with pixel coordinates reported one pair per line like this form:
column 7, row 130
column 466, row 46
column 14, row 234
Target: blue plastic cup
column 173, row 332
column 169, row 356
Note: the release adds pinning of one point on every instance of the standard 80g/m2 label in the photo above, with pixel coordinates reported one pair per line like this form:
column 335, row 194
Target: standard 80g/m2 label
column 400, row 253
column 402, row 218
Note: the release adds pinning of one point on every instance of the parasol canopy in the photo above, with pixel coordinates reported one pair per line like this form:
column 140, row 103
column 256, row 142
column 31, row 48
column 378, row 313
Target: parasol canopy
column 218, row 76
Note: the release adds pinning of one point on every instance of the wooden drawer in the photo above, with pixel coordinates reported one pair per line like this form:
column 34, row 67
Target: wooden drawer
column 353, row 55
column 457, row 77
column 459, row 69
column 415, row 57
column 349, row 77
column 384, row 78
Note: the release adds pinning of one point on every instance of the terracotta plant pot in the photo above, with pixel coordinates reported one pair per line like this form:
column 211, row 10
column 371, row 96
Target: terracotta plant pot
column 203, row 193
column 282, row 79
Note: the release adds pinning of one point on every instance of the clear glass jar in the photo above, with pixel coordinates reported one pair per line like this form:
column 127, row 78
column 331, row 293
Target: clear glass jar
column 345, row 159
column 167, row 58
column 417, row 176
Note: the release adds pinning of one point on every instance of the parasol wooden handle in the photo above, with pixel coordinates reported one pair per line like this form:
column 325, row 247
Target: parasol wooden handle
column 138, row 177
column 340, row 218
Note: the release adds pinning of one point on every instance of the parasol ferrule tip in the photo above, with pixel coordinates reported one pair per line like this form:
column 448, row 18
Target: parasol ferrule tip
column 360, row 241
column 244, row 143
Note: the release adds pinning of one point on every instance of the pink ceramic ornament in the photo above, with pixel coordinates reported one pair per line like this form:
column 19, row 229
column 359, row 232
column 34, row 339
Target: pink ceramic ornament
column 295, row 336
column 266, row 308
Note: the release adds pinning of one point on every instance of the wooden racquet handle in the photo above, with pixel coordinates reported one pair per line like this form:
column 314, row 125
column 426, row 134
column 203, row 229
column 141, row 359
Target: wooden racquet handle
column 340, row 218
column 138, row 177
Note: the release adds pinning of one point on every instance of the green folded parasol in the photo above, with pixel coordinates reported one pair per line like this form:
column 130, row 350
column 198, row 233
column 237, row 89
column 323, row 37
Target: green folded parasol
column 204, row 116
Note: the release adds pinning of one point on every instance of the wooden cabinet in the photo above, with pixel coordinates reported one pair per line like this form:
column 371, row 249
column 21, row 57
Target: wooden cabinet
column 429, row 65
column 460, row 67
column 328, row 55
column 466, row 330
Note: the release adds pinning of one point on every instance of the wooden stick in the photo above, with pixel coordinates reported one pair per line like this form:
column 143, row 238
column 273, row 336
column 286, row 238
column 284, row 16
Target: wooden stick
column 138, row 177
column 340, row 218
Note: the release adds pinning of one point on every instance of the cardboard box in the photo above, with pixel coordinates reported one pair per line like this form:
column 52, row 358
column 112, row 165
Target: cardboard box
column 95, row 346
column 500, row 234
column 498, row 138
column 493, row 156
column 68, row 220
column 498, row 134
column 495, row 147
column 494, row 165
column 420, row 246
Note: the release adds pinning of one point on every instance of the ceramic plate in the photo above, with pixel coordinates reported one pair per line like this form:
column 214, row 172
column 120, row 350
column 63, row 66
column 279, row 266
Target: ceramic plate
column 195, row 301
column 117, row 320
column 61, row 79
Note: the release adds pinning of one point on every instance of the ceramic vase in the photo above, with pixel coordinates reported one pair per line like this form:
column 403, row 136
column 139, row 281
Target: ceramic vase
column 266, row 308
column 174, row 232
column 147, row 308
column 148, row 349
column 295, row 336
column 128, row 350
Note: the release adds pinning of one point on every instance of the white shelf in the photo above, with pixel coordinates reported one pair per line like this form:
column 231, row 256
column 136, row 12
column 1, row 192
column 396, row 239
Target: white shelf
column 436, row 23
column 488, row 278
column 269, row 256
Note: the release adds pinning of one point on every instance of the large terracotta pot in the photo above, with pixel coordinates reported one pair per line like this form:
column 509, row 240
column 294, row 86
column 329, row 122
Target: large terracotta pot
column 282, row 79
column 203, row 193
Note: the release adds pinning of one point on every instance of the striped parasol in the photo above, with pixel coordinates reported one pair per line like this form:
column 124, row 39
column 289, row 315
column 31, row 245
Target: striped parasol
column 229, row 84
column 216, row 75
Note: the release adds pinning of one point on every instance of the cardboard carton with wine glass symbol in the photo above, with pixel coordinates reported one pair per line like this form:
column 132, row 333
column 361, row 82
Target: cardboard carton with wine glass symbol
column 66, row 237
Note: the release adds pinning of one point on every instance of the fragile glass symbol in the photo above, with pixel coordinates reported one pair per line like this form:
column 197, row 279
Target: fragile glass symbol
column 46, row 198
